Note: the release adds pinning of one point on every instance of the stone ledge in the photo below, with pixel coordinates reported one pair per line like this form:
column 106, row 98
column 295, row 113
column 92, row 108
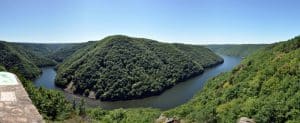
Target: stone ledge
column 16, row 106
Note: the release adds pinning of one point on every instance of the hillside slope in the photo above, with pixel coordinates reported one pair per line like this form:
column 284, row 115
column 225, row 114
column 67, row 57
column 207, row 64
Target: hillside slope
column 12, row 59
column 49, row 54
column 61, row 54
column 241, row 50
column 264, row 87
column 121, row 67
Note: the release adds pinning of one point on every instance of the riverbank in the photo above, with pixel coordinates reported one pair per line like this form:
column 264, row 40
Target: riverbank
column 172, row 97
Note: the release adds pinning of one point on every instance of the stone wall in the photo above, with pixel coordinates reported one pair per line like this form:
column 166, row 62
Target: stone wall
column 15, row 104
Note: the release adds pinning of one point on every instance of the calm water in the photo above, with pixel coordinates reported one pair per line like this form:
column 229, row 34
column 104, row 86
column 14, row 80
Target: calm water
column 173, row 97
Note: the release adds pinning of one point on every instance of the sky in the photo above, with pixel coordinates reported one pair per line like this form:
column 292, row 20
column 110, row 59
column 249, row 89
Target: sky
column 181, row 21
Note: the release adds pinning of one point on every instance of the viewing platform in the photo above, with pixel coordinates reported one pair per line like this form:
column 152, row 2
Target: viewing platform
column 15, row 104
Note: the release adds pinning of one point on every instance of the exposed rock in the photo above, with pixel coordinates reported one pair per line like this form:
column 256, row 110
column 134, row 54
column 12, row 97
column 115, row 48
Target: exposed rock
column 164, row 119
column 161, row 119
column 70, row 88
column 245, row 120
column 92, row 95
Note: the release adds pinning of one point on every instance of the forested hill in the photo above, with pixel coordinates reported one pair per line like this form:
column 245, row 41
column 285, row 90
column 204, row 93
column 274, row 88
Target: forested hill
column 241, row 50
column 264, row 87
column 27, row 57
column 24, row 63
column 61, row 54
column 12, row 59
column 53, row 52
column 121, row 67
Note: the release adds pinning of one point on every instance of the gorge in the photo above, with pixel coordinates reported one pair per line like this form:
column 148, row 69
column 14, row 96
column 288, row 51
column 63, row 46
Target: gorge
column 173, row 97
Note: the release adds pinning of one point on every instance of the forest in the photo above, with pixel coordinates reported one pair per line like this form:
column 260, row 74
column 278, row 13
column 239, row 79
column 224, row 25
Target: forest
column 264, row 87
column 120, row 67
column 25, row 64
column 52, row 52
column 240, row 50
column 13, row 60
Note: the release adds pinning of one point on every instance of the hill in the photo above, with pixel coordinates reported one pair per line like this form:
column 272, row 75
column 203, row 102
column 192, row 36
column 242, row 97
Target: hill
column 13, row 59
column 24, row 63
column 121, row 67
column 27, row 57
column 50, row 53
column 61, row 54
column 241, row 50
column 264, row 87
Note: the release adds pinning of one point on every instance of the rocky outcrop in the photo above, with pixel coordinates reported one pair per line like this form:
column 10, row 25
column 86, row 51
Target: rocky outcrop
column 245, row 120
column 164, row 119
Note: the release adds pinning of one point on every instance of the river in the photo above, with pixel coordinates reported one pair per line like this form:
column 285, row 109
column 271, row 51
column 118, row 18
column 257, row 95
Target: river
column 173, row 97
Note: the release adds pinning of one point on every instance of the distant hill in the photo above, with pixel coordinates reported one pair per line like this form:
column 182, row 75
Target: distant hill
column 53, row 52
column 13, row 58
column 121, row 67
column 241, row 50
column 264, row 87
column 61, row 54
column 27, row 57
column 44, row 48
column 24, row 62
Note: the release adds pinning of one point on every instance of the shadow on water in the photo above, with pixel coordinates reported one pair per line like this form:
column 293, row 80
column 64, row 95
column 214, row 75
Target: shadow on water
column 173, row 97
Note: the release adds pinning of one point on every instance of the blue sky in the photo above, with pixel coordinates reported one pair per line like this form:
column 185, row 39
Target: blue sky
column 185, row 21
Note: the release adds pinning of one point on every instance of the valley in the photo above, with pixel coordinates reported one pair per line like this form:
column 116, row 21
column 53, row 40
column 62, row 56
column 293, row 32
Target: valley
column 171, row 98
column 230, row 78
column 121, row 67
column 149, row 61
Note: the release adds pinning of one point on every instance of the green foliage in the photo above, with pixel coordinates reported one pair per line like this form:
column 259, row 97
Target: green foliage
column 144, row 115
column 120, row 67
column 14, row 60
column 2, row 68
column 265, row 87
column 66, row 51
column 26, row 57
column 43, row 49
column 49, row 54
column 24, row 62
column 81, row 107
column 33, row 56
column 241, row 50
column 52, row 104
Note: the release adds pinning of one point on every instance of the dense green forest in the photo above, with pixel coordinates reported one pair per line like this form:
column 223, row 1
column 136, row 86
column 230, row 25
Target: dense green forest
column 121, row 67
column 52, row 52
column 241, row 50
column 264, row 87
column 64, row 52
column 26, row 58
column 15, row 60
column 50, row 103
